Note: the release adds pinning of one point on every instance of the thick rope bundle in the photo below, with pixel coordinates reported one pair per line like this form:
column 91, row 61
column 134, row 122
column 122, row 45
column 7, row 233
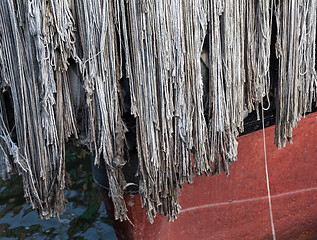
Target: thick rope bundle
column 296, row 51
column 36, row 41
column 193, row 68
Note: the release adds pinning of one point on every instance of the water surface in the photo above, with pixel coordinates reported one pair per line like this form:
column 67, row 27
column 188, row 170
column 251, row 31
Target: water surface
column 84, row 218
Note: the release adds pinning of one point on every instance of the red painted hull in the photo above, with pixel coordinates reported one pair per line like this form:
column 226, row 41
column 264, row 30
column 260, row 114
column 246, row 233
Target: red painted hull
column 236, row 207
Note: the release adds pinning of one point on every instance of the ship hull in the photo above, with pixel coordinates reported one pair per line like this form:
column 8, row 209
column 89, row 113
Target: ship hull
column 237, row 207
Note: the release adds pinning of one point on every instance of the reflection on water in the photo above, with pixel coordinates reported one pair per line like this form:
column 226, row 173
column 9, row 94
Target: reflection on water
column 84, row 218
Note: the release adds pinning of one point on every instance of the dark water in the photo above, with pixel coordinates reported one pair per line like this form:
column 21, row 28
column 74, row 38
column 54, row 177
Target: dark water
column 84, row 218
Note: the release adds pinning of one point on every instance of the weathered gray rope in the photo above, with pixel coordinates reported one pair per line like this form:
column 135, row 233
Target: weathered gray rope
column 187, row 119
